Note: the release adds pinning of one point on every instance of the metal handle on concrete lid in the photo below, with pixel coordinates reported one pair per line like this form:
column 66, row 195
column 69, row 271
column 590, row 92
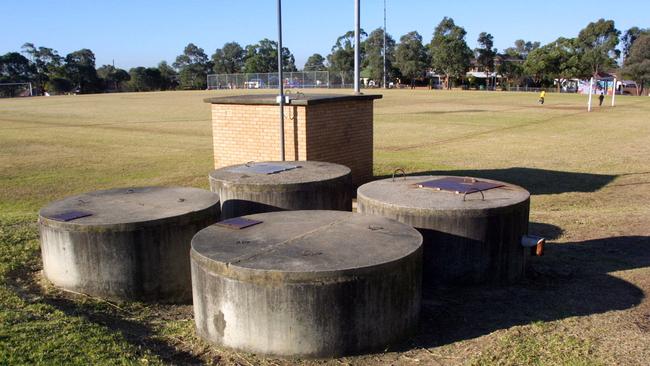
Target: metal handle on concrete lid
column 535, row 243
column 474, row 191
column 399, row 170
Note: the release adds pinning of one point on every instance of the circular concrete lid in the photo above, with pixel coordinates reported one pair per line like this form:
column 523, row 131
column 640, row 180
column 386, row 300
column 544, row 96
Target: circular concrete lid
column 306, row 172
column 127, row 208
column 304, row 246
column 404, row 193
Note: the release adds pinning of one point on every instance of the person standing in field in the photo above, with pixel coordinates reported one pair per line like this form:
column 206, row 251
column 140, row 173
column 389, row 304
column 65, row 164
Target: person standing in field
column 601, row 97
column 541, row 96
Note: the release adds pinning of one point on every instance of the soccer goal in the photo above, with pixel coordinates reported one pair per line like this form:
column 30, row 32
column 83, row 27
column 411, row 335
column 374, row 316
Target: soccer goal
column 11, row 90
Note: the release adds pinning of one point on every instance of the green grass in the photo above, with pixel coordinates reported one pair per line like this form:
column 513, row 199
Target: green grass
column 34, row 330
column 589, row 174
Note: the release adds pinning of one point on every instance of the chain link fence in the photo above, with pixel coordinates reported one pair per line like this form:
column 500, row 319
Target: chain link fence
column 303, row 79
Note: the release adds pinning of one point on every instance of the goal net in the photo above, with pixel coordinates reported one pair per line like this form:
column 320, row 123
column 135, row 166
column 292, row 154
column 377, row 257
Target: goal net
column 11, row 90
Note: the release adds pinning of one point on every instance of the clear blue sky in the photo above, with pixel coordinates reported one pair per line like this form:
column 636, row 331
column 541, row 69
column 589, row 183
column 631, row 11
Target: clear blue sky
column 144, row 32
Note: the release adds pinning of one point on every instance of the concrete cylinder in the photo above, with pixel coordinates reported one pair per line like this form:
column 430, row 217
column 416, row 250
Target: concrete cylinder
column 307, row 283
column 470, row 239
column 125, row 244
column 247, row 189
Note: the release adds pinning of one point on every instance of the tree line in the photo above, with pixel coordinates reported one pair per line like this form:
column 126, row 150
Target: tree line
column 597, row 48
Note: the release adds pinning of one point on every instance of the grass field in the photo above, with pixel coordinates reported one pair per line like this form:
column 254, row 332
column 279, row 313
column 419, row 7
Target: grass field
column 584, row 303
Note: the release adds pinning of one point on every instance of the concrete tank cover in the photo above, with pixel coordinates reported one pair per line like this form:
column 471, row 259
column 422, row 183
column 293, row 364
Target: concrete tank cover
column 125, row 244
column 275, row 186
column 472, row 227
column 307, row 283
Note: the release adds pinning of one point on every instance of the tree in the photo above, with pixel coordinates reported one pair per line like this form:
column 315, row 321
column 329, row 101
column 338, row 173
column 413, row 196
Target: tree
column 411, row 56
column 597, row 43
column 112, row 76
column 629, row 37
column 450, row 54
column 315, row 62
column 512, row 71
column 637, row 65
column 168, row 76
column 341, row 60
column 485, row 54
column 47, row 62
column 229, row 59
column 193, row 67
column 373, row 62
column 14, row 68
column 59, row 85
column 80, row 69
column 145, row 79
column 558, row 60
column 521, row 49
column 263, row 58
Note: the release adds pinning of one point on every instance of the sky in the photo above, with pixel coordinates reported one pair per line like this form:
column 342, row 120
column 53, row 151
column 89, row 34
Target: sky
column 134, row 33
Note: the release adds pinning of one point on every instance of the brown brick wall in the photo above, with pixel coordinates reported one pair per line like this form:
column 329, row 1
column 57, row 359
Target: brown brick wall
column 243, row 133
column 337, row 132
column 342, row 133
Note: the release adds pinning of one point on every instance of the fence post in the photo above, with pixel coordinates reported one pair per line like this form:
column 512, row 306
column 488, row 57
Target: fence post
column 591, row 86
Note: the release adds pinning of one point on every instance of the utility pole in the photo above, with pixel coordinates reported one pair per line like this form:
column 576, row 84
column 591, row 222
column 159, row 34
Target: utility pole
column 385, row 85
column 357, row 45
column 280, row 84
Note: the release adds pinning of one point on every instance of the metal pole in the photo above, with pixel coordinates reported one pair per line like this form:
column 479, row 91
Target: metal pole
column 357, row 45
column 614, row 93
column 281, row 87
column 31, row 92
column 385, row 86
column 591, row 87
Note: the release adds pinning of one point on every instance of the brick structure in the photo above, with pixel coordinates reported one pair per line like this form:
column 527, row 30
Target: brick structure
column 331, row 128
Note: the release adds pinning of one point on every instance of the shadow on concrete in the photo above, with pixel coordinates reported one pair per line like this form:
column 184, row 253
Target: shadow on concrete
column 570, row 280
column 536, row 181
column 237, row 207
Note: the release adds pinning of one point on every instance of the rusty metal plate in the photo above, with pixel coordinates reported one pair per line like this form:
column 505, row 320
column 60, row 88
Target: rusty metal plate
column 70, row 215
column 262, row 168
column 459, row 185
column 238, row 223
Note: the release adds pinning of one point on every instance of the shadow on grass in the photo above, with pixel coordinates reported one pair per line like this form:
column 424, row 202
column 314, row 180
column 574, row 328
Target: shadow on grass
column 137, row 333
column 536, row 181
column 548, row 231
column 570, row 280
column 105, row 314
